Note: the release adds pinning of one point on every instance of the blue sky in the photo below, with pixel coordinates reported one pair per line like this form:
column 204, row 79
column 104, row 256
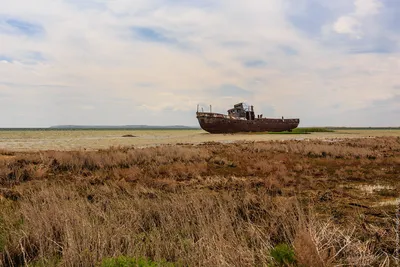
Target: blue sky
column 152, row 61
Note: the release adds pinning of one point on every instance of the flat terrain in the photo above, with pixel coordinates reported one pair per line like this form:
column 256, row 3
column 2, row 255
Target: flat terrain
column 100, row 139
column 321, row 199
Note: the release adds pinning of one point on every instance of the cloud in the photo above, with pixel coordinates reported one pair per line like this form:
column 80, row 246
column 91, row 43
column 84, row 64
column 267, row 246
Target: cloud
column 153, row 61
column 230, row 90
column 352, row 24
column 87, row 107
column 367, row 7
column 5, row 59
column 378, row 114
column 289, row 50
column 87, row 4
column 151, row 35
column 348, row 25
column 256, row 63
column 23, row 58
column 20, row 27
column 309, row 16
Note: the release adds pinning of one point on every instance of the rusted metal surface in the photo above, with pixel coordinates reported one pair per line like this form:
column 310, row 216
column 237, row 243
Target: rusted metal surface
column 220, row 123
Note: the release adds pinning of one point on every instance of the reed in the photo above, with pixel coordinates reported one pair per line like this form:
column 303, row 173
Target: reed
column 244, row 204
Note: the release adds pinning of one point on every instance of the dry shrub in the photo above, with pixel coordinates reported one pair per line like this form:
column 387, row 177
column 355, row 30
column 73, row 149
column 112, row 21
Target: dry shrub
column 273, row 185
column 356, row 148
column 131, row 174
column 178, row 170
column 81, row 226
column 307, row 253
column 107, row 159
column 285, row 160
column 322, row 243
column 84, row 227
column 215, row 204
column 5, row 152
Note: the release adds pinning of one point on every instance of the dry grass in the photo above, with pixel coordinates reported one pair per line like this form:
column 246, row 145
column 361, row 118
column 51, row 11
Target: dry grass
column 208, row 205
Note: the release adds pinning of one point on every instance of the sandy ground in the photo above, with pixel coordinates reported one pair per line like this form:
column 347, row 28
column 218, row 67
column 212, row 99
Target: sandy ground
column 100, row 139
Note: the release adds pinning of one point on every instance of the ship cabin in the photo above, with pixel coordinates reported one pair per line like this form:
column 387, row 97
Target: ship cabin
column 241, row 110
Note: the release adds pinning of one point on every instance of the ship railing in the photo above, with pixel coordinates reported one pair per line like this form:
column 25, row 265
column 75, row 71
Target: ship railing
column 210, row 115
column 218, row 115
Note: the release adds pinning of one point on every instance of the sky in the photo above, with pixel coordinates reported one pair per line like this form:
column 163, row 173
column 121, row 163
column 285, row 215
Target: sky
column 124, row 62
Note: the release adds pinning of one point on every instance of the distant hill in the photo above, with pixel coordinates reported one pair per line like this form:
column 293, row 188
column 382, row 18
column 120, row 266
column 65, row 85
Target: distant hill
column 150, row 127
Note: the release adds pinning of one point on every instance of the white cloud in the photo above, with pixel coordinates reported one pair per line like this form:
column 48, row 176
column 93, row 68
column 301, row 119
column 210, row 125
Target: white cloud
column 92, row 60
column 348, row 25
column 367, row 7
column 352, row 23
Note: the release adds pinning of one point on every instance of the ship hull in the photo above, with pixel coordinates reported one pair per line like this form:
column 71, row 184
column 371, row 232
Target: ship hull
column 218, row 123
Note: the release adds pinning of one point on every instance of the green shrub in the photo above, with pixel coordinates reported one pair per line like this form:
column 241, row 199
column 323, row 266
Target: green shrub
column 312, row 130
column 283, row 255
column 123, row 261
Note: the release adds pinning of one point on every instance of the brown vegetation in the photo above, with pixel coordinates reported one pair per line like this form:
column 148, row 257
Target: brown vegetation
column 208, row 205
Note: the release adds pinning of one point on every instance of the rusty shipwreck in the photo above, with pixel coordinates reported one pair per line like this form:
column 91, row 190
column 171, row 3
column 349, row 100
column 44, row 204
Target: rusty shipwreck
column 241, row 118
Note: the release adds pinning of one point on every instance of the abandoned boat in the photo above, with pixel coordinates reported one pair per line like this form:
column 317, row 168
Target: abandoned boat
column 241, row 118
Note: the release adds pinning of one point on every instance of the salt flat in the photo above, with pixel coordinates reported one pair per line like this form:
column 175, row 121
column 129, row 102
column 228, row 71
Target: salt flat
column 34, row 140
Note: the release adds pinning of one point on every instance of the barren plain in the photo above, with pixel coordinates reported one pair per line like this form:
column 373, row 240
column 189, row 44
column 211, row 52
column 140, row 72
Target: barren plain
column 100, row 139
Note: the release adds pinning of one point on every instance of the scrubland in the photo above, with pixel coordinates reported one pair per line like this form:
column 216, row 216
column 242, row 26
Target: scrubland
column 273, row 203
